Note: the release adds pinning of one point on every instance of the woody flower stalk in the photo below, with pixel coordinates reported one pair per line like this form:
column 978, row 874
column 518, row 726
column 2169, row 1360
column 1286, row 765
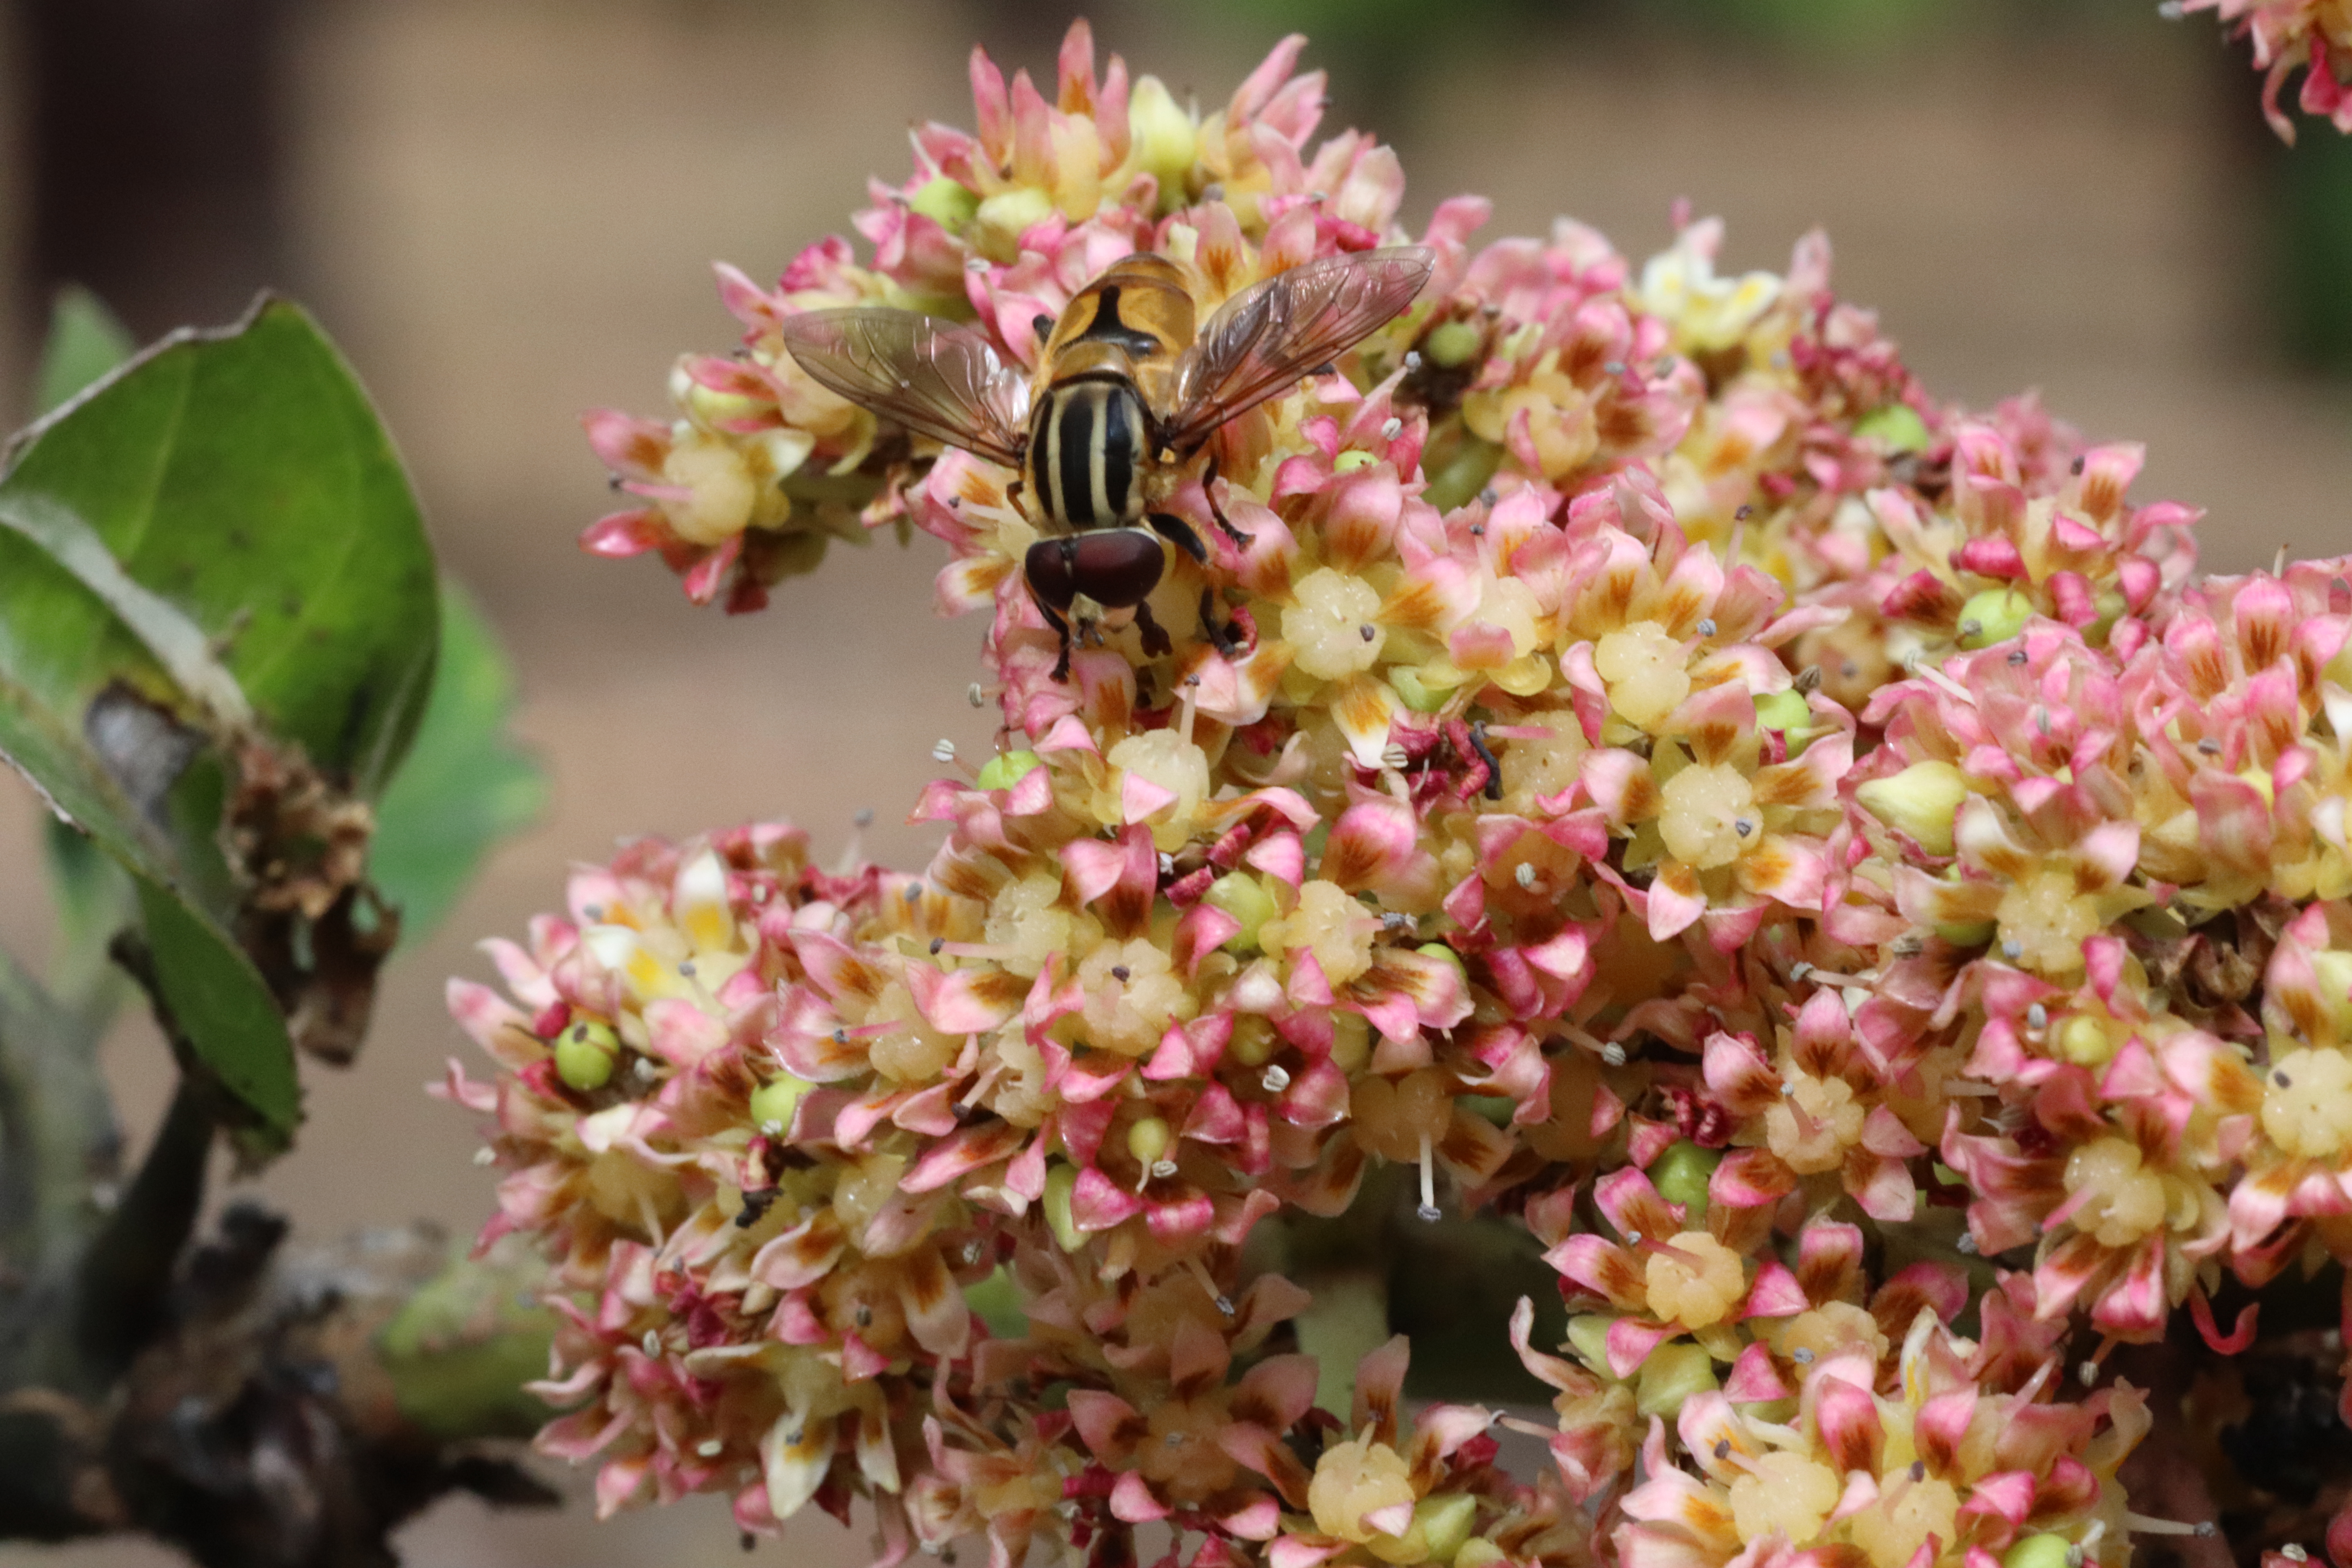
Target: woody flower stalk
column 1808, row 861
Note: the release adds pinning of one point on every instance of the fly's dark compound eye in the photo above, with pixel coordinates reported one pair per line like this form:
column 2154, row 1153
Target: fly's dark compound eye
column 1117, row 568
column 1048, row 568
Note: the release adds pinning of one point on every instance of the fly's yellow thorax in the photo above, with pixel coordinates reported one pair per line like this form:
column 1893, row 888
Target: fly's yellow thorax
column 1134, row 321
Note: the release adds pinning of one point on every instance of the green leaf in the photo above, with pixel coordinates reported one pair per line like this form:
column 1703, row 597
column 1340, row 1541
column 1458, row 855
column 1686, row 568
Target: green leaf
column 466, row 784
column 93, row 900
column 244, row 476
column 218, row 999
column 86, row 340
column 218, row 528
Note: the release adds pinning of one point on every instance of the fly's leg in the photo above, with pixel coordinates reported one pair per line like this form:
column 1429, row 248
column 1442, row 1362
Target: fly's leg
column 1060, row 629
column 1157, row 643
column 1493, row 790
column 1179, row 533
column 1220, row 635
column 1209, row 488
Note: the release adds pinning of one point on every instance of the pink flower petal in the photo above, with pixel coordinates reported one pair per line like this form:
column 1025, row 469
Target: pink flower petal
column 1847, row 1419
column 1280, row 855
column 1098, row 1203
column 1754, row 1378
column 1776, row 1293
column 1108, row 1424
column 1131, row 1501
column 1259, row 1521
column 966, row 1150
column 1140, row 797
column 1629, row 1342
column 952, row 1003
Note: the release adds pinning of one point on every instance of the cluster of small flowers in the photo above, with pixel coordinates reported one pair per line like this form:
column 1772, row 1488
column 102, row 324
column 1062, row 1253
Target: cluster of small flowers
column 2288, row 35
column 1812, row 857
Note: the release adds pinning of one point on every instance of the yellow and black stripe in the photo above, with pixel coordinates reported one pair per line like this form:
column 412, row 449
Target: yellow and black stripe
column 1086, row 445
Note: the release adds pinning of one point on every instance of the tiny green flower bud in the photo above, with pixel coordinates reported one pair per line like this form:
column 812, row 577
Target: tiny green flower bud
column 1672, row 1373
column 1351, row 1042
column 2111, row 606
column 584, row 1055
column 1451, row 343
column 1148, row 1140
column 773, row 1103
column 1993, row 617
column 948, row 203
column 1245, row 898
column 2332, row 971
column 1445, row 1523
column 2043, row 1551
column 710, row 409
column 1681, row 1174
column 1060, row 1183
column 1922, row 801
column 1479, row 1552
column 1253, row 1042
column 1416, row 693
column 1007, row 769
column 1897, row 426
column 998, row 1302
column 1494, row 1110
column 1782, row 711
column 2085, row 1041
column 1005, row 217
column 1444, row 954
column 1163, row 139
column 1966, row 934
column 1588, row 1341
column 592, row 1032
column 1440, row 1526
column 1456, row 480
column 1348, row 462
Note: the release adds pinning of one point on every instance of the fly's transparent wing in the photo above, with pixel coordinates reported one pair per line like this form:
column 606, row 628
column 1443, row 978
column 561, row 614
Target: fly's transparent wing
column 934, row 377
column 1269, row 335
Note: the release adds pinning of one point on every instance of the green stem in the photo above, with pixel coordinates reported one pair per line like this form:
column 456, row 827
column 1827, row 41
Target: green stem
column 58, row 1139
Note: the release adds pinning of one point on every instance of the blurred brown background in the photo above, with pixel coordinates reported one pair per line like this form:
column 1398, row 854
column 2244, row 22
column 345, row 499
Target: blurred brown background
column 506, row 210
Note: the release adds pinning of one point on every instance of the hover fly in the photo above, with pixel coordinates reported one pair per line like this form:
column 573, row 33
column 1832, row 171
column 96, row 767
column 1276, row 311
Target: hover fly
column 1126, row 394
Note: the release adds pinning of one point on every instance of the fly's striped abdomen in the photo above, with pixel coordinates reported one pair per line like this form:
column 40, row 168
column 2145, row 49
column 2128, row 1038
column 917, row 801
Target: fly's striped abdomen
column 1084, row 445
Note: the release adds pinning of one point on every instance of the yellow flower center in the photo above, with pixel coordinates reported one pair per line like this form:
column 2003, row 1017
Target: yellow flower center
column 1711, row 818
column 1330, row 923
column 1354, row 1479
column 1696, row 1284
column 1645, row 671
column 723, row 492
column 2307, row 1103
column 2128, row 1201
column 2047, row 918
column 1330, row 628
column 1131, row 995
column 1787, row 1492
column 1894, row 1529
column 1814, row 1123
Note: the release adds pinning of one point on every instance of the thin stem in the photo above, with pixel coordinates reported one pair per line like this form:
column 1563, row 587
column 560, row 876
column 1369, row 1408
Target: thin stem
column 126, row 1276
column 57, row 1142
